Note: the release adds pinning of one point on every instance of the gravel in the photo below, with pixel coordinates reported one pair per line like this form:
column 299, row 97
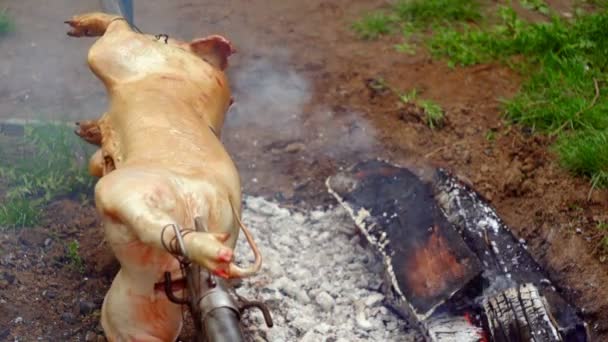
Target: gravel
column 317, row 280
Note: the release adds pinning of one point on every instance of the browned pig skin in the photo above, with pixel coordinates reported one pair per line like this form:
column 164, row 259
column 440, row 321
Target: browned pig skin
column 160, row 163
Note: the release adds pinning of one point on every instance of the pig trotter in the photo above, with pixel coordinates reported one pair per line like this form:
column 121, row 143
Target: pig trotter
column 89, row 131
column 91, row 25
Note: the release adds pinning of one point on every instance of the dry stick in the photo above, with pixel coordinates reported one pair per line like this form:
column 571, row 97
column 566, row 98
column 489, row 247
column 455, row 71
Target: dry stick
column 577, row 114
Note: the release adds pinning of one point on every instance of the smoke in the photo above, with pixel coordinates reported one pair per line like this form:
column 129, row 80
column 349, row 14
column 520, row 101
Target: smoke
column 277, row 101
column 270, row 95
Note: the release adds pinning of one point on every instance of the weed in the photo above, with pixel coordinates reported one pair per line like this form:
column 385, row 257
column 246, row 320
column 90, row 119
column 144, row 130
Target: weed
column 586, row 154
column 6, row 23
column 423, row 13
column 536, row 5
column 433, row 112
column 19, row 212
column 406, row 47
column 602, row 245
column 373, row 25
column 412, row 96
column 46, row 163
column 416, row 15
column 73, row 256
column 490, row 135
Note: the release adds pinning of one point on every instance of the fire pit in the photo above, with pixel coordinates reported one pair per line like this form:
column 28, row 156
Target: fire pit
column 452, row 266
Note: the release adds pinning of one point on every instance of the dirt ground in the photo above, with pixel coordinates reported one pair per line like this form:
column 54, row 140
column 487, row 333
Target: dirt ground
column 304, row 108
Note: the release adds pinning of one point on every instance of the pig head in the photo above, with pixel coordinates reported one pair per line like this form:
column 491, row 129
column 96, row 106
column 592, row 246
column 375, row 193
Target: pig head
column 160, row 163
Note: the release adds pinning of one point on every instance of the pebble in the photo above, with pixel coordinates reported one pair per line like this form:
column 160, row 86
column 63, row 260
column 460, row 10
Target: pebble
column 316, row 215
column 361, row 320
column 68, row 317
column 18, row 320
column 50, row 294
column 374, row 298
column 90, row 336
column 47, row 242
column 294, row 147
column 86, row 307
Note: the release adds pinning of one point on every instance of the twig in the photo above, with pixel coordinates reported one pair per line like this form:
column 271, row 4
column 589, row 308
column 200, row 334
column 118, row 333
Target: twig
column 434, row 151
column 577, row 114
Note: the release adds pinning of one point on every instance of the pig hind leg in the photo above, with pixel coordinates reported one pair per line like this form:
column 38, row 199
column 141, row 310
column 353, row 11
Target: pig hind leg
column 145, row 202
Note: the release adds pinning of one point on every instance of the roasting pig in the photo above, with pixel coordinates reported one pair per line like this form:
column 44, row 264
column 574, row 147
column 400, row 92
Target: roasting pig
column 160, row 163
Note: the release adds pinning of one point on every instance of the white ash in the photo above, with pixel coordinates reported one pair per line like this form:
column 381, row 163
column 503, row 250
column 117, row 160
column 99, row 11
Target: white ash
column 317, row 280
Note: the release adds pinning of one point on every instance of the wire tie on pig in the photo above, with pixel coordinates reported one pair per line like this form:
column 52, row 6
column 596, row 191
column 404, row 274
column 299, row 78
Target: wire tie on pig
column 176, row 245
column 162, row 35
column 131, row 25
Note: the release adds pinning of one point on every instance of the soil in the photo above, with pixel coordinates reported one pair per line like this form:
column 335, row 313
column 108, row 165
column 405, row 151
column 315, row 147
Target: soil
column 304, row 108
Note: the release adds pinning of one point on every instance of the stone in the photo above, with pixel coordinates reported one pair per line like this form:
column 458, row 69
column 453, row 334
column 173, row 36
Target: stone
column 68, row 317
column 90, row 337
column 294, row 147
column 86, row 307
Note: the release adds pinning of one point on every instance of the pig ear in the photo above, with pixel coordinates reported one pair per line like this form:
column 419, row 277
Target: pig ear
column 213, row 49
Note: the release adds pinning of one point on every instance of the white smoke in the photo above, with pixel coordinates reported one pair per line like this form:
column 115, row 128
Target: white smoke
column 269, row 95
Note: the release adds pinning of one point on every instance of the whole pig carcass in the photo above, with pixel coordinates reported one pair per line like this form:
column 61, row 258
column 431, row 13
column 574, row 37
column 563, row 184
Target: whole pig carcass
column 161, row 163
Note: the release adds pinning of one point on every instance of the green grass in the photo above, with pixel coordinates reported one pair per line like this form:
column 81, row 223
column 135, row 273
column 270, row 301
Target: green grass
column 434, row 115
column 421, row 13
column 373, row 25
column 48, row 162
column 411, row 15
column 565, row 62
column 568, row 64
column 536, row 5
column 586, row 153
column 6, row 23
column 73, row 256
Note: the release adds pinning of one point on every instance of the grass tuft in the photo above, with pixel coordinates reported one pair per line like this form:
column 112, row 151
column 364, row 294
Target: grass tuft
column 586, row 154
column 48, row 162
column 536, row 5
column 422, row 13
column 373, row 25
column 434, row 115
column 6, row 23
column 414, row 15
column 73, row 256
column 566, row 61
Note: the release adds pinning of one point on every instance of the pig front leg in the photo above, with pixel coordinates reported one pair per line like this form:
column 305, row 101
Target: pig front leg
column 145, row 202
column 89, row 131
column 97, row 164
column 94, row 24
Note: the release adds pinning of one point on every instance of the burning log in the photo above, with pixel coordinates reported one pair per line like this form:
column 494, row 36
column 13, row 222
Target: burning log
column 453, row 268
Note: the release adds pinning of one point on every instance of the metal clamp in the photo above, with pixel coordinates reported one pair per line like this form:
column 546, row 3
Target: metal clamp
column 259, row 305
column 217, row 297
